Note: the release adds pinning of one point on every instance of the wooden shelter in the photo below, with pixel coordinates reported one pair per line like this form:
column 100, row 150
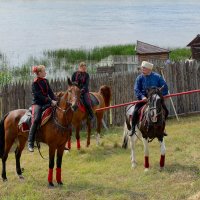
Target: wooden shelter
column 146, row 51
column 195, row 47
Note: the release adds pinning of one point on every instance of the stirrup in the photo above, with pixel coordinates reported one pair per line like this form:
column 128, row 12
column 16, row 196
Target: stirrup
column 31, row 147
column 131, row 133
column 91, row 118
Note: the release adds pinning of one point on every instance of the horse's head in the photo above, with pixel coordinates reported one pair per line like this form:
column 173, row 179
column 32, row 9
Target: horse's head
column 73, row 94
column 155, row 100
column 69, row 98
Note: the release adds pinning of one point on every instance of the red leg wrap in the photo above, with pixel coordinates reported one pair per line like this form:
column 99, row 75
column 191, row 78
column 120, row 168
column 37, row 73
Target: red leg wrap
column 78, row 144
column 50, row 176
column 146, row 162
column 58, row 175
column 162, row 160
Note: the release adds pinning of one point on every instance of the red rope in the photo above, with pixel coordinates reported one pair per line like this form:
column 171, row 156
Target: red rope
column 134, row 102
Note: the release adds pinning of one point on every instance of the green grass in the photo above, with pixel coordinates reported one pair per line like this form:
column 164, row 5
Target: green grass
column 98, row 53
column 95, row 54
column 180, row 54
column 104, row 172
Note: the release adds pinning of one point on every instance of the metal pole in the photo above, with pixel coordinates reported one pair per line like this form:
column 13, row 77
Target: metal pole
column 161, row 69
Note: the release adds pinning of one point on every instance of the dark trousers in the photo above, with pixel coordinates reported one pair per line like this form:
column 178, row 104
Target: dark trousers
column 36, row 117
column 87, row 103
column 135, row 115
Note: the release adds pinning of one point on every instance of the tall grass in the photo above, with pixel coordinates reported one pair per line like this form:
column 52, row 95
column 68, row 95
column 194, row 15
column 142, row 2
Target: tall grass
column 95, row 54
column 104, row 172
column 180, row 54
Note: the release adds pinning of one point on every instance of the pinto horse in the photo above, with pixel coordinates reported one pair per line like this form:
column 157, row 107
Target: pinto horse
column 151, row 125
column 103, row 96
column 54, row 133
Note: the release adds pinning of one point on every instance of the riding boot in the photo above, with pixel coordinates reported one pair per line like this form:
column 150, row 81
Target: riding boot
column 134, row 122
column 90, row 113
column 133, row 128
column 31, row 137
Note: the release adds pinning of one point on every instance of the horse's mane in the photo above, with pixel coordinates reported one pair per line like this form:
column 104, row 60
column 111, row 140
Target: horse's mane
column 154, row 90
column 76, row 84
column 105, row 91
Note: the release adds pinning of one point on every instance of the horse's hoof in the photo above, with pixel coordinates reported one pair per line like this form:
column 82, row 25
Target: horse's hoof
column 21, row 177
column 60, row 183
column 66, row 151
column 50, row 185
column 134, row 165
column 161, row 169
column 5, row 179
column 146, row 169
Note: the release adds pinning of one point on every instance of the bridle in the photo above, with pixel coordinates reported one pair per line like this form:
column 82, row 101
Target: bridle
column 64, row 111
column 153, row 111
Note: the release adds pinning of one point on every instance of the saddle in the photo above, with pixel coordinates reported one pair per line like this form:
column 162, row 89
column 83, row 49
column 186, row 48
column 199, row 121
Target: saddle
column 25, row 121
column 94, row 102
column 130, row 109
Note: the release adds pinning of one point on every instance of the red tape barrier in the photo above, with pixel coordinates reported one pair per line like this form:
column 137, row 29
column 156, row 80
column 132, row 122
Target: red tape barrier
column 134, row 102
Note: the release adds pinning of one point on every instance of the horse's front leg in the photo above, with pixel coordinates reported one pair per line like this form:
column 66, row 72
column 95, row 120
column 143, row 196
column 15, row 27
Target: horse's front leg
column 162, row 156
column 146, row 154
column 78, row 143
column 132, row 146
column 88, row 132
column 59, row 163
column 51, row 165
column 133, row 140
column 68, row 144
column 99, row 125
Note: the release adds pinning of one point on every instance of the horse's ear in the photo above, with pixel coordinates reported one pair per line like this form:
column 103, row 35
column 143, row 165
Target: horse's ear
column 69, row 81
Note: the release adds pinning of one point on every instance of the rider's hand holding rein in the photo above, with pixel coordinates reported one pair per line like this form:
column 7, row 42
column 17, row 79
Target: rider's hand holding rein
column 53, row 103
column 144, row 99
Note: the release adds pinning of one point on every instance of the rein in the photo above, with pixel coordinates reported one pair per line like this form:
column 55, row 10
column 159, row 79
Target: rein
column 68, row 127
column 65, row 111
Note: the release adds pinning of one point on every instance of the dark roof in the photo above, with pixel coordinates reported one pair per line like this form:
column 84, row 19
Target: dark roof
column 195, row 41
column 144, row 48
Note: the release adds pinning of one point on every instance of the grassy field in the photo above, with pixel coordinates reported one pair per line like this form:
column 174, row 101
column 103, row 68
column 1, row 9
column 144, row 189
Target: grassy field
column 105, row 173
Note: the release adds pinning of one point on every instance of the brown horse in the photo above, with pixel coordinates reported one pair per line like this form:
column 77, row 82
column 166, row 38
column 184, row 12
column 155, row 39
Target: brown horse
column 103, row 96
column 54, row 133
column 151, row 125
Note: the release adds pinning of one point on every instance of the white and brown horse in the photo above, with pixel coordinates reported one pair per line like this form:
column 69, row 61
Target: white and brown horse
column 151, row 125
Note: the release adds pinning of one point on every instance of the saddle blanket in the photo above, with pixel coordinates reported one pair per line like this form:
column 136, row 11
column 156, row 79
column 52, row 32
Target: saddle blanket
column 94, row 102
column 25, row 121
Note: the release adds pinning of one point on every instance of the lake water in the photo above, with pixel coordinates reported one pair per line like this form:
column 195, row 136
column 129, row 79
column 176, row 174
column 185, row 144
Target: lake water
column 27, row 27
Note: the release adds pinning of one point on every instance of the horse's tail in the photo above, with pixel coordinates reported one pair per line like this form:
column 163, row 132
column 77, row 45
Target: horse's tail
column 105, row 91
column 2, row 135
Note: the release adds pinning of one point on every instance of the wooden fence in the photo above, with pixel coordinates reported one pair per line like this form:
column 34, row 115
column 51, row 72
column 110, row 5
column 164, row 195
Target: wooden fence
column 179, row 76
